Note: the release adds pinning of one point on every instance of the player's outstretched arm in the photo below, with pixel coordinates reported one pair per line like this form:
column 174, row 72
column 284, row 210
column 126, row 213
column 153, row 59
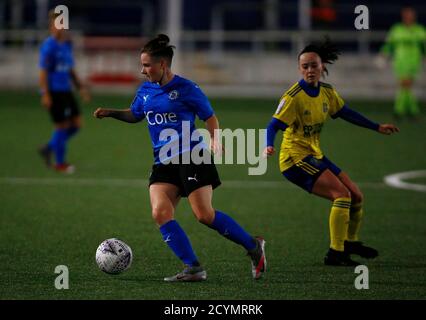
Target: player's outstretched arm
column 359, row 120
column 355, row 118
column 125, row 115
column 388, row 129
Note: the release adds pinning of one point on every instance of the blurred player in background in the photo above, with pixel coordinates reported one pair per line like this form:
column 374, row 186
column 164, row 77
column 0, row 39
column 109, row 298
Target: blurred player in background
column 57, row 74
column 301, row 114
column 406, row 45
column 167, row 102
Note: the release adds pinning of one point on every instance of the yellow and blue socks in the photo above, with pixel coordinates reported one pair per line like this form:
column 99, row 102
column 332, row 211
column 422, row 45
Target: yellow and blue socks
column 339, row 223
column 355, row 218
column 178, row 241
column 231, row 230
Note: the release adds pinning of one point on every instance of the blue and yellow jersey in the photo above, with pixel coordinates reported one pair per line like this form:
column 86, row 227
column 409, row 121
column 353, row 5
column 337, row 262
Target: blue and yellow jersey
column 305, row 109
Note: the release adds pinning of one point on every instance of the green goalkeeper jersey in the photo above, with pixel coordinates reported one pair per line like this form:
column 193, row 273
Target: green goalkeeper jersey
column 406, row 45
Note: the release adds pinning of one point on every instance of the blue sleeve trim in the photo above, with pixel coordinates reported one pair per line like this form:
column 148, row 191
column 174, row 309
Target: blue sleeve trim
column 137, row 115
column 206, row 118
column 355, row 118
column 136, row 107
column 272, row 130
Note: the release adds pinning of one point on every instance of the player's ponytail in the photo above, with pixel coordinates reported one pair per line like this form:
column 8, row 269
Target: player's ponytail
column 159, row 48
column 327, row 51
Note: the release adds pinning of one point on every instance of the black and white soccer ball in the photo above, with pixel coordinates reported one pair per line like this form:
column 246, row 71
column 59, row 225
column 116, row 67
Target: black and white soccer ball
column 114, row 256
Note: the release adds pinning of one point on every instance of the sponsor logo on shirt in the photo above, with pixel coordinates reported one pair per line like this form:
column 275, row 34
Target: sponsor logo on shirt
column 160, row 118
column 173, row 95
column 310, row 130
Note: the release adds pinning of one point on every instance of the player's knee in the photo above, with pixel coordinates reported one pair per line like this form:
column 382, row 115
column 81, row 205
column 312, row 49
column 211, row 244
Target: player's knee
column 357, row 197
column 161, row 215
column 341, row 193
column 205, row 215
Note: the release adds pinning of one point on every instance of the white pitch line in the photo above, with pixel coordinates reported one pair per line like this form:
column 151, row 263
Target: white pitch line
column 78, row 182
column 113, row 182
column 396, row 180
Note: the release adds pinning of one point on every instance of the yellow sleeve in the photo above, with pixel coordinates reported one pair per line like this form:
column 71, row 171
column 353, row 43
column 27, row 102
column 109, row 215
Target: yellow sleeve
column 286, row 111
column 336, row 102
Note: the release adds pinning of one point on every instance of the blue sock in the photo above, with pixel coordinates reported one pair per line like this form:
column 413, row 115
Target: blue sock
column 58, row 144
column 230, row 229
column 177, row 240
column 71, row 131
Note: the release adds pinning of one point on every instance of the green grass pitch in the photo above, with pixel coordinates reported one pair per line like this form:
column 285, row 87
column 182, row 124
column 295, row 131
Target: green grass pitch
column 48, row 219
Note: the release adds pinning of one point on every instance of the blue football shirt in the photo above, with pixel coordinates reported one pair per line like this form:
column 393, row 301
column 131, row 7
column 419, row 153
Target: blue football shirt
column 56, row 57
column 173, row 106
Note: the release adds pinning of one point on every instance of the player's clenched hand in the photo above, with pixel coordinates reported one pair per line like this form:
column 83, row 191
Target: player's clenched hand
column 216, row 147
column 101, row 113
column 268, row 151
column 46, row 100
column 388, row 129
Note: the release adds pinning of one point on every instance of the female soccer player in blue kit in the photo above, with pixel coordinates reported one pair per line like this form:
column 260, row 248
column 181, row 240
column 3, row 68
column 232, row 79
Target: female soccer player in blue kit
column 56, row 76
column 169, row 102
column 301, row 114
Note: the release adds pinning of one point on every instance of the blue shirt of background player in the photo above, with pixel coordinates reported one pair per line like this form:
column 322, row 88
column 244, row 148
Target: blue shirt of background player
column 56, row 57
column 166, row 107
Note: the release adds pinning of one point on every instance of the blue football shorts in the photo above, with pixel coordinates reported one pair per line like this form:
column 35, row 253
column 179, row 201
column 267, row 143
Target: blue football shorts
column 305, row 172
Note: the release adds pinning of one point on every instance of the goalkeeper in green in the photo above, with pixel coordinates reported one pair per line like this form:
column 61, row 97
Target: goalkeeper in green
column 405, row 44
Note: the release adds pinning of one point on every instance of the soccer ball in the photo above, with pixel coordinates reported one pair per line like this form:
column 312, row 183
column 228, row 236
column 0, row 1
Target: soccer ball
column 113, row 256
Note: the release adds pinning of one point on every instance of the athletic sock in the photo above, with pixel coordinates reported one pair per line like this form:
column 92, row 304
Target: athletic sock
column 58, row 144
column 401, row 102
column 339, row 220
column 412, row 104
column 178, row 241
column 355, row 218
column 231, row 230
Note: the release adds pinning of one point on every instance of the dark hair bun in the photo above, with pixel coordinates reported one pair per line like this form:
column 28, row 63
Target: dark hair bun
column 163, row 40
column 159, row 47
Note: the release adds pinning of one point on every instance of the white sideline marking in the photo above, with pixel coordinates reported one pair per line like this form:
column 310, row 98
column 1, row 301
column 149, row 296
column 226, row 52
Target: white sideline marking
column 105, row 182
column 396, row 180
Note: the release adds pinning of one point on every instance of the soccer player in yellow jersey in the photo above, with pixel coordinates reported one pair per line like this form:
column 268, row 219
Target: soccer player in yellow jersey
column 301, row 114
